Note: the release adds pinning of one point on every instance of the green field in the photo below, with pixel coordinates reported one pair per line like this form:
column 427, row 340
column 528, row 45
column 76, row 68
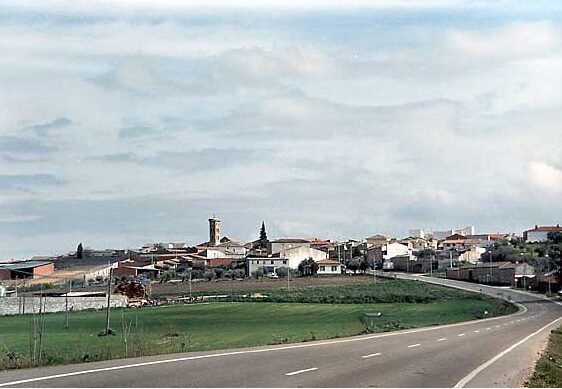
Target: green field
column 218, row 325
column 548, row 373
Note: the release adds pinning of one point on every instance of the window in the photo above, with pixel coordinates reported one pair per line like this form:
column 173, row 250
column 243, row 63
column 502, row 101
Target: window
column 322, row 268
column 284, row 262
column 334, row 268
column 272, row 262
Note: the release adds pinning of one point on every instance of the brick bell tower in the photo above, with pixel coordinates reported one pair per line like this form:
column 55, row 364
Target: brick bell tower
column 214, row 231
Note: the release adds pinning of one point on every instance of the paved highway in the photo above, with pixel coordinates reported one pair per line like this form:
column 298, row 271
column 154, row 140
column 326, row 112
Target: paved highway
column 496, row 352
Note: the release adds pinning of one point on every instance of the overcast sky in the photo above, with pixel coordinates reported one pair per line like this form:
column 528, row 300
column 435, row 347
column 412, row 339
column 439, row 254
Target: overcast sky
column 121, row 125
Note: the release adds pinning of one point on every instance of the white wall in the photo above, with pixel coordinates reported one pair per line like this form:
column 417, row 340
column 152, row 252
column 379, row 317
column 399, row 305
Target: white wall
column 327, row 269
column 537, row 236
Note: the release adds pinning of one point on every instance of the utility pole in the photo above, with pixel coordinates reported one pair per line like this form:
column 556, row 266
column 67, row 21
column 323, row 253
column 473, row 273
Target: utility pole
column 108, row 301
column 431, row 266
column 288, row 277
column 491, row 268
column 190, row 296
column 66, row 304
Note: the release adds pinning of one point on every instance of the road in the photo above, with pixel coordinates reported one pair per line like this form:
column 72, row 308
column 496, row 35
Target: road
column 496, row 352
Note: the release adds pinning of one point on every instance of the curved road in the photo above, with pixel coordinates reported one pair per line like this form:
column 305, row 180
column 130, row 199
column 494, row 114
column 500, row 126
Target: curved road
column 483, row 353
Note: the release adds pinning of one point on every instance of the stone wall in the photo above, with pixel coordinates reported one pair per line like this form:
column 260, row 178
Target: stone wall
column 21, row 305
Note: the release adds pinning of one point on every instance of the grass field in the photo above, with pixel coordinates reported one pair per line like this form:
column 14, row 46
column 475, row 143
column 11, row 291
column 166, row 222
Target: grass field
column 548, row 371
column 157, row 330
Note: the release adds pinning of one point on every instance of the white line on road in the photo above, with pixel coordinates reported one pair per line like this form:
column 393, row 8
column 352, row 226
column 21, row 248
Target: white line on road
column 302, row 371
column 473, row 373
column 414, row 345
column 462, row 334
column 489, row 328
column 477, row 331
column 497, row 326
column 442, row 339
column 371, row 355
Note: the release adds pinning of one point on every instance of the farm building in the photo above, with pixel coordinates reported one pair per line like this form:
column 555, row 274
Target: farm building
column 498, row 273
column 25, row 269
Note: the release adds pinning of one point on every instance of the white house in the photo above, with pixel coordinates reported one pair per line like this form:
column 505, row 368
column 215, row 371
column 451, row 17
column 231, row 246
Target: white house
column 328, row 267
column 297, row 254
column 268, row 264
column 392, row 250
column 540, row 233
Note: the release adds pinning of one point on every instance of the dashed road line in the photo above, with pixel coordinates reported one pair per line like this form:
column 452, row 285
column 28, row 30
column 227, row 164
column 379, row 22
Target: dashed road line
column 489, row 328
column 301, row 371
column 462, row 334
column 414, row 345
column 442, row 339
column 476, row 331
column 371, row 355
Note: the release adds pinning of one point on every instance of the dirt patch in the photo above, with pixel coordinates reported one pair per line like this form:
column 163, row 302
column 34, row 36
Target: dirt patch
column 263, row 284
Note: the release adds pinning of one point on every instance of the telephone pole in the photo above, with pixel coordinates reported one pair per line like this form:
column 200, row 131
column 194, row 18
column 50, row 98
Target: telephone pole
column 108, row 301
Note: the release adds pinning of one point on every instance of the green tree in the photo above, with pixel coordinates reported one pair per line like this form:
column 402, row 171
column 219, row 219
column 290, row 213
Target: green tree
column 308, row 267
column 263, row 236
column 352, row 265
column 555, row 237
column 363, row 266
column 79, row 251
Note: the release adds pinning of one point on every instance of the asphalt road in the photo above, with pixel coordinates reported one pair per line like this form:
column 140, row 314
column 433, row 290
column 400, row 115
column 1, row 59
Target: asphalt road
column 483, row 353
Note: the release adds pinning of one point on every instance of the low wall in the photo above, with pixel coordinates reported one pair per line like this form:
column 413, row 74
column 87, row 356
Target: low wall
column 25, row 305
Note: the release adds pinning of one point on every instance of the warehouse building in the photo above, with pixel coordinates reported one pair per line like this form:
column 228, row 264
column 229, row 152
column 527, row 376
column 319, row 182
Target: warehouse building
column 25, row 270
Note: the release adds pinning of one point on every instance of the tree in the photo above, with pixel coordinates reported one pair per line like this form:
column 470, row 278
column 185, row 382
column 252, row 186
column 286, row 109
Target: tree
column 308, row 267
column 79, row 251
column 363, row 266
column 258, row 273
column 352, row 265
column 426, row 253
column 263, row 236
column 283, row 271
column 555, row 237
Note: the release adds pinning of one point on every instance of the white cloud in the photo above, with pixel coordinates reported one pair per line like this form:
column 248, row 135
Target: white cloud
column 546, row 177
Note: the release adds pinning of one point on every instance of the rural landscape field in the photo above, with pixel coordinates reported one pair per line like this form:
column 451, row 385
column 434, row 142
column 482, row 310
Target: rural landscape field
column 277, row 316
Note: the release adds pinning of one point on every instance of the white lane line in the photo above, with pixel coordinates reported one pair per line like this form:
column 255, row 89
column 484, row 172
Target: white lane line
column 488, row 328
column 371, row 355
column 414, row 345
column 497, row 326
column 477, row 331
column 301, row 371
column 442, row 339
column 473, row 373
column 462, row 334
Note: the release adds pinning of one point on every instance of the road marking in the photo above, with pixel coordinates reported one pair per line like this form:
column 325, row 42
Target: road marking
column 522, row 310
column 414, row 345
column 371, row 355
column 442, row 339
column 477, row 331
column 489, row 328
column 462, row 334
column 302, row 371
column 473, row 373
column 497, row 326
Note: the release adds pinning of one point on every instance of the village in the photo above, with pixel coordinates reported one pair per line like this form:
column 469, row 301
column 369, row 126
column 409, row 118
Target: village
column 528, row 261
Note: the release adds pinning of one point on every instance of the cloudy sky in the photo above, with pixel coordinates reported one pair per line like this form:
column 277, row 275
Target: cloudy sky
column 132, row 123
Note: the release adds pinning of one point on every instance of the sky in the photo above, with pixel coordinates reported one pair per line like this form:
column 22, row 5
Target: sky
column 129, row 122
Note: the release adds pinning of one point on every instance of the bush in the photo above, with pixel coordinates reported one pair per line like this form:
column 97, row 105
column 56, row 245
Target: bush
column 209, row 275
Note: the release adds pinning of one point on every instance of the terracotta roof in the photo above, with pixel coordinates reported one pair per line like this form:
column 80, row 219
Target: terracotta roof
column 328, row 262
